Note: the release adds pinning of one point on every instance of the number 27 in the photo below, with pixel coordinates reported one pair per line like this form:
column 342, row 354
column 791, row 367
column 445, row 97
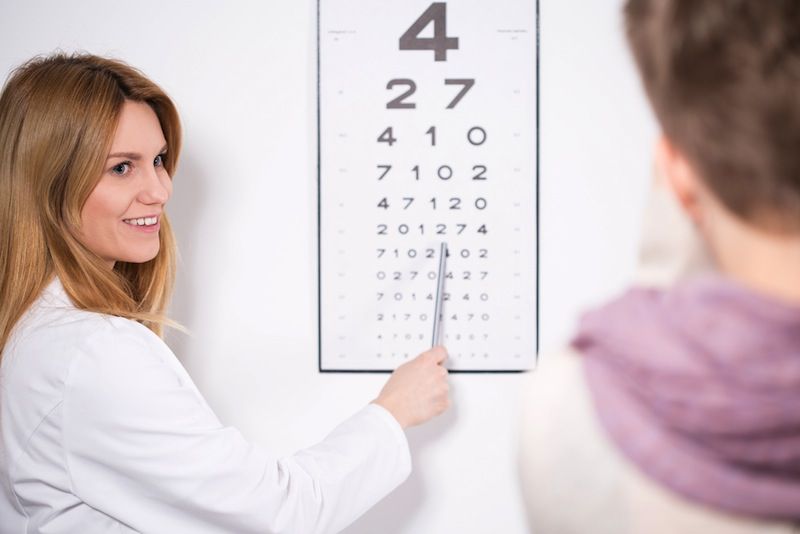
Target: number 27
column 411, row 87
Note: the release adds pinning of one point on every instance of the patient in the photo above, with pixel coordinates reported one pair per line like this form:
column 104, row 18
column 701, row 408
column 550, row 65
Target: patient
column 677, row 406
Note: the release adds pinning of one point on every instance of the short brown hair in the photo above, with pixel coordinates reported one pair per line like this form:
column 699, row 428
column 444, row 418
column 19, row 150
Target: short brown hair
column 724, row 79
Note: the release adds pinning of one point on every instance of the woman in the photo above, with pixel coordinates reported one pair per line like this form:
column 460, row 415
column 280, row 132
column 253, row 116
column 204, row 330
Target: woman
column 101, row 428
column 677, row 409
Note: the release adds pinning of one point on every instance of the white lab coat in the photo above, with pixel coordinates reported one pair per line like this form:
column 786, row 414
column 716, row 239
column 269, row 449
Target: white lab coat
column 102, row 430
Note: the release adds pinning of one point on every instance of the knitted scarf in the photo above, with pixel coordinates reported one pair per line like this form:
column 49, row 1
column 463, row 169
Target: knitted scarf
column 699, row 386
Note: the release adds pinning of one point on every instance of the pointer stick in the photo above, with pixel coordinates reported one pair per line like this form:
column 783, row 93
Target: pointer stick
column 437, row 322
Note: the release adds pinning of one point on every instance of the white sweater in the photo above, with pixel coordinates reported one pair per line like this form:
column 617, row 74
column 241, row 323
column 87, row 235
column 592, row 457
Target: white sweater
column 575, row 481
column 102, row 430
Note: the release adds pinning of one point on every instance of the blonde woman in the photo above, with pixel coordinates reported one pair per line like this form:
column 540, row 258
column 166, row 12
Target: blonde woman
column 101, row 429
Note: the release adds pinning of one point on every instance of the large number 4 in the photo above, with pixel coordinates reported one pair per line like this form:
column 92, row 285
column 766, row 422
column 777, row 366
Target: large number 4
column 440, row 43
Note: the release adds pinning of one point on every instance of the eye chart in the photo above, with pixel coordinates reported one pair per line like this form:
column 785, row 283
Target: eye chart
column 428, row 135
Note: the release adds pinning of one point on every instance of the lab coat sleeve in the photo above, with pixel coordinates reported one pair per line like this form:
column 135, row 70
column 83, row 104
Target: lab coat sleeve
column 143, row 447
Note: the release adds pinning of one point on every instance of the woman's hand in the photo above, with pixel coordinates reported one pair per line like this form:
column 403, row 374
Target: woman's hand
column 417, row 390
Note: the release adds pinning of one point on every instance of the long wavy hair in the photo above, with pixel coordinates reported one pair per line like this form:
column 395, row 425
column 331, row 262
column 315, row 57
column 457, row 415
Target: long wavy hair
column 58, row 116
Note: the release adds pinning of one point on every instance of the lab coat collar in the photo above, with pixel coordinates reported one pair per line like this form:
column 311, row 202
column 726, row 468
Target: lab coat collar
column 55, row 296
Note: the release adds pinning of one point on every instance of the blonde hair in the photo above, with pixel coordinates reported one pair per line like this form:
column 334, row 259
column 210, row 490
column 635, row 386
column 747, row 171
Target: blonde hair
column 58, row 115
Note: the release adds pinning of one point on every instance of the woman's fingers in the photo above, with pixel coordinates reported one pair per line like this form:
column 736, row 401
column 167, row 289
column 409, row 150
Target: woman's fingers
column 417, row 390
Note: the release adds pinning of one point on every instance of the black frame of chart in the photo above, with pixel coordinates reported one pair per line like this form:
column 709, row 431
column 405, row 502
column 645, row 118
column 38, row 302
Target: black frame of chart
column 428, row 183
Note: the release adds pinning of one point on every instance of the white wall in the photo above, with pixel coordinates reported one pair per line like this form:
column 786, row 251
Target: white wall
column 244, row 208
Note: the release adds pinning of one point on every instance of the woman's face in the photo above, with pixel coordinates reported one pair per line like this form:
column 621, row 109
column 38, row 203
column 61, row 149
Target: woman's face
column 121, row 218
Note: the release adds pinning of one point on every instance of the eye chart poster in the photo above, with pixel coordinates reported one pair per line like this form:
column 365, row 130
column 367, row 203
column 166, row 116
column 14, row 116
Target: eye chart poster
column 428, row 135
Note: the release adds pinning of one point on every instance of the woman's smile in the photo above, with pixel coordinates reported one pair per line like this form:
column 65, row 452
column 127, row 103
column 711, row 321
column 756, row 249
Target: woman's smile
column 148, row 224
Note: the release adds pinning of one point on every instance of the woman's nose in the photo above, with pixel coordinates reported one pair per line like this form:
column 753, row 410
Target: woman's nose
column 156, row 187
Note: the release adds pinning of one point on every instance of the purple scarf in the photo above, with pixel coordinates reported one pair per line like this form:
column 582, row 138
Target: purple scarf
column 699, row 386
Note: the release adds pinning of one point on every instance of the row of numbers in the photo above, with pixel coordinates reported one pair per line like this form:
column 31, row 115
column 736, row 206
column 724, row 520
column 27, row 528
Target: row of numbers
column 400, row 296
column 475, row 135
column 443, row 172
column 438, row 229
column 412, row 275
column 409, row 335
column 411, row 87
column 451, row 355
column 430, row 253
column 464, row 316
column 453, row 203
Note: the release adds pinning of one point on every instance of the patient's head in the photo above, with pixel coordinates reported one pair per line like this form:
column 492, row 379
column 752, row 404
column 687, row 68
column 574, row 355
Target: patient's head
column 723, row 77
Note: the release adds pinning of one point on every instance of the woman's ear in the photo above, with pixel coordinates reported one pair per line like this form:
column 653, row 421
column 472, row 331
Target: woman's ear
column 672, row 166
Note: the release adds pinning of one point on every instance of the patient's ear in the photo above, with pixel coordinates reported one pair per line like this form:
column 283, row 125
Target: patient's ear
column 681, row 178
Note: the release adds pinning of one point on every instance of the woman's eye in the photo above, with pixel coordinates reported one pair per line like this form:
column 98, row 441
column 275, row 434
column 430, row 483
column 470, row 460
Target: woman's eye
column 121, row 169
column 159, row 161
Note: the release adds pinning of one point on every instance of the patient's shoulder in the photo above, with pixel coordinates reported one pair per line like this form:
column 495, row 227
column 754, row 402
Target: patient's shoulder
column 575, row 480
column 566, row 461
